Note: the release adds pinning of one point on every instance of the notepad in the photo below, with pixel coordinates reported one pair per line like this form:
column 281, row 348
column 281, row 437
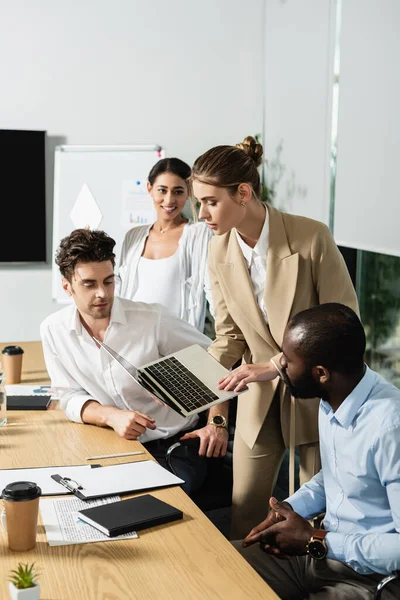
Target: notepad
column 117, row 479
column 36, row 402
column 130, row 515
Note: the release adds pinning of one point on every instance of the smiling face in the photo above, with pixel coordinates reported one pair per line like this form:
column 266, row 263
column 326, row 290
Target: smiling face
column 218, row 208
column 169, row 193
column 92, row 288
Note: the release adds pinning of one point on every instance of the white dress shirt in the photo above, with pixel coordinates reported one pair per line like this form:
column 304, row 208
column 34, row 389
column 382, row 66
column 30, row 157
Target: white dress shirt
column 80, row 371
column 358, row 486
column 256, row 259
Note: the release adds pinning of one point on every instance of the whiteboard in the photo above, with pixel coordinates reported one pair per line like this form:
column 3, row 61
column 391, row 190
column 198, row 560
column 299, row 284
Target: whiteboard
column 103, row 187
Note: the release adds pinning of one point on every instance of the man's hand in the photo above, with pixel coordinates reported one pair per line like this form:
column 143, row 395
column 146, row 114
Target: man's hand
column 130, row 424
column 289, row 536
column 213, row 440
column 237, row 379
column 273, row 517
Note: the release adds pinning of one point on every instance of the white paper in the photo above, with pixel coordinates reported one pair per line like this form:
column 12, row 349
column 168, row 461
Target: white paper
column 42, row 477
column 127, row 477
column 63, row 526
column 30, row 390
column 137, row 205
column 86, row 211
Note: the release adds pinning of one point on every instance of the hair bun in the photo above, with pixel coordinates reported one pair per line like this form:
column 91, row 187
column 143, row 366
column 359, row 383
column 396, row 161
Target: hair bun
column 252, row 148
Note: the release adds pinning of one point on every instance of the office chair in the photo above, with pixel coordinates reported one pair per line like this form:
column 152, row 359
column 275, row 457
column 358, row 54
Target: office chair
column 385, row 582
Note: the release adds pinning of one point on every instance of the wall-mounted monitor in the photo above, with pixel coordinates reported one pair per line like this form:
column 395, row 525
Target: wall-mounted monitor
column 22, row 196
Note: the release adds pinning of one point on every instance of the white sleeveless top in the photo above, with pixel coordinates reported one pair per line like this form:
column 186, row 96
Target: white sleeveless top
column 159, row 282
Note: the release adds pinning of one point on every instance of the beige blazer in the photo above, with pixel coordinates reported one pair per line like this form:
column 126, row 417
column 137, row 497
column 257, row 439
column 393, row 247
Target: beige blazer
column 304, row 268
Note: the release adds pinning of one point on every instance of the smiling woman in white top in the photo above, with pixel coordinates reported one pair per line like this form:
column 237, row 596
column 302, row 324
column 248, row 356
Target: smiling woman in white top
column 166, row 262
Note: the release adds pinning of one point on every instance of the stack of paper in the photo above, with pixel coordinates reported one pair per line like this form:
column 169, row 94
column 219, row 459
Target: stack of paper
column 63, row 526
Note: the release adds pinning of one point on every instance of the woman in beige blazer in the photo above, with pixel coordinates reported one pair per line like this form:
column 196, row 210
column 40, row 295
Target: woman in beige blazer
column 264, row 266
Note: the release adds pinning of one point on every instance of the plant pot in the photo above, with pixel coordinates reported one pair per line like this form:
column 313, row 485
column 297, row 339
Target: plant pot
column 32, row 593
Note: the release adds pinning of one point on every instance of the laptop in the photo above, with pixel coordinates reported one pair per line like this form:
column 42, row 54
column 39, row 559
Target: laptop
column 186, row 380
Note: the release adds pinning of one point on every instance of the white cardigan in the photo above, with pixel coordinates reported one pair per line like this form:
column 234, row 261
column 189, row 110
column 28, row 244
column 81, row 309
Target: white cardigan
column 193, row 250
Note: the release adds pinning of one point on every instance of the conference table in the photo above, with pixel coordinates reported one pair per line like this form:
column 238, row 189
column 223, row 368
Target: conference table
column 187, row 559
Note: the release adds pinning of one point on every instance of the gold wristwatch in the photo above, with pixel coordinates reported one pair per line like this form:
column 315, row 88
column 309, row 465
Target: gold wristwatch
column 218, row 421
column 316, row 546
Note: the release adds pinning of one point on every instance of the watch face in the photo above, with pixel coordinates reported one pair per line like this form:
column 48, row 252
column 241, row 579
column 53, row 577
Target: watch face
column 317, row 550
column 218, row 420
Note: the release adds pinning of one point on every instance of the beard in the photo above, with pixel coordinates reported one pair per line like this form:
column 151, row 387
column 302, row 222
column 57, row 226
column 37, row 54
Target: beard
column 100, row 313
column 303, row 387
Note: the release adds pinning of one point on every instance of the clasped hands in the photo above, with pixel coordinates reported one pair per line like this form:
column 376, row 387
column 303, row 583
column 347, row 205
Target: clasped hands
column 284, row 533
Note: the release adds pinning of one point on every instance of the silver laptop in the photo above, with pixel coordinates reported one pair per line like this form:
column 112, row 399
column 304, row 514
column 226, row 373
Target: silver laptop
column 186, row 380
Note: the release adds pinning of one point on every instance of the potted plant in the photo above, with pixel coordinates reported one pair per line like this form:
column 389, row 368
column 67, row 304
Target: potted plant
column 23, row 583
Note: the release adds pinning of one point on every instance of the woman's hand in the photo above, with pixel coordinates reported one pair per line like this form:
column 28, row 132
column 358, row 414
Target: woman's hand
column 237, row 379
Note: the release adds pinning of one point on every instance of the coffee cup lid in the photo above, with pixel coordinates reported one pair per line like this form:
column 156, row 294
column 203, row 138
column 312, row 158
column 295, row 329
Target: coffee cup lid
column 18, row 491
column 12, row 350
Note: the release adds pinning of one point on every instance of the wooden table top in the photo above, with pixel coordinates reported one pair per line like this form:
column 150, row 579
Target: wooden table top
column 188, row 559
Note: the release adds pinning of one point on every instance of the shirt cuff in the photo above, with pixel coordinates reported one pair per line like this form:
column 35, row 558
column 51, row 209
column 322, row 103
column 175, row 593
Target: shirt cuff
column 73, row 407
column 298, row 504
column 335, row 544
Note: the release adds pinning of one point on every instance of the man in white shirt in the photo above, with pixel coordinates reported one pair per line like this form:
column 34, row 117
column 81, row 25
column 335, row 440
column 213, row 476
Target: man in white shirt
column 92, row 387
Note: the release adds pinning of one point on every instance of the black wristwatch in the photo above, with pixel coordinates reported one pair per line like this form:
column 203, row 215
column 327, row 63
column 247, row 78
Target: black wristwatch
column 316, row 546
column 218, row 421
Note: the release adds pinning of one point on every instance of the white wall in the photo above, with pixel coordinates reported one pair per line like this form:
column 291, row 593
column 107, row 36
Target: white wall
column 187, row 75
column 299, row 53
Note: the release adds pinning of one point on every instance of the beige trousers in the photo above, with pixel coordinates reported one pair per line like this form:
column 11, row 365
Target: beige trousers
column 255, row 471
column 302, row 577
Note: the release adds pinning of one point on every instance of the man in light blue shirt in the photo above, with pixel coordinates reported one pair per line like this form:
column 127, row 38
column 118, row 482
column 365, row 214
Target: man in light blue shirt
column 358, row 487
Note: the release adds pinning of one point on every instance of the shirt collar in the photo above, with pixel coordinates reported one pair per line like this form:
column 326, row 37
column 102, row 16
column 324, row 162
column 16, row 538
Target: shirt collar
column 117, row 316
column 349, row 408
column 261, row 248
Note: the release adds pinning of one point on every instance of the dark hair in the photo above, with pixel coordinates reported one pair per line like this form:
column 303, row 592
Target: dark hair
column 332, row 336
column 84, row 245
column 229, row 166
column 176, row 166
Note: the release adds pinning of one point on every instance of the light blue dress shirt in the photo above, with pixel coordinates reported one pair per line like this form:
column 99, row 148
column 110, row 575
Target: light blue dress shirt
column 358, row 486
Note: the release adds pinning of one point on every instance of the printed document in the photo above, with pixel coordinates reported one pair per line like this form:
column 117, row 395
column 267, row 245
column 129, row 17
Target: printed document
column 63, row 525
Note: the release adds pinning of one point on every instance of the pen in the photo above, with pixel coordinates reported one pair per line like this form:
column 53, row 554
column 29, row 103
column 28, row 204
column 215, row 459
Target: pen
column 115, row 455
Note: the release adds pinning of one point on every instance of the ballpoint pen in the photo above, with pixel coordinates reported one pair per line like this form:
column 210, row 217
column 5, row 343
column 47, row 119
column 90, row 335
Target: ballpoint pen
column 114, row 455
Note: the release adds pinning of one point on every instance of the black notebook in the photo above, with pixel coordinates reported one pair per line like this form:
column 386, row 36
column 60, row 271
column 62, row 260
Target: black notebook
column 129, row 515
column 34, row 402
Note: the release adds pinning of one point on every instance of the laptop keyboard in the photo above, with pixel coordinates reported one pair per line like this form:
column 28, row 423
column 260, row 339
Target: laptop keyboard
column 185, row 387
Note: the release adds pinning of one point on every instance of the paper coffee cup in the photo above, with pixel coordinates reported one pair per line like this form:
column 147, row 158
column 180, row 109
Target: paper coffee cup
column 12, row 363
column 21, row 506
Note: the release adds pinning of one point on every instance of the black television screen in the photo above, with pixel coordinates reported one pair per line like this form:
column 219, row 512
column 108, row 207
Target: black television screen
column 23, row 196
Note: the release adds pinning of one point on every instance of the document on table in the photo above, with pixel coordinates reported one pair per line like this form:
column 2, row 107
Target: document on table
column 30, row 390
column 42, row 477
column 63, row 526
column 122, row 479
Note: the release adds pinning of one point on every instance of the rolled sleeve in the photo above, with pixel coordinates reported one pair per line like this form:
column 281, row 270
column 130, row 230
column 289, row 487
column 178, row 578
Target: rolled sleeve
column 72, row 403
column 72, row 397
